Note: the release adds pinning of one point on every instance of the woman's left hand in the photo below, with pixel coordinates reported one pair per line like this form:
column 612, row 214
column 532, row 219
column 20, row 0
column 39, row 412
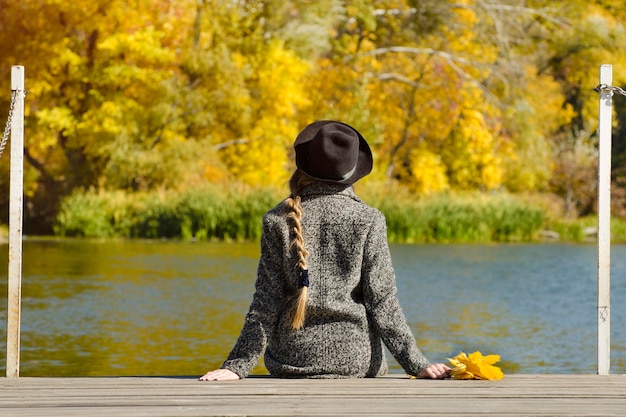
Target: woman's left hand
column 435, row 371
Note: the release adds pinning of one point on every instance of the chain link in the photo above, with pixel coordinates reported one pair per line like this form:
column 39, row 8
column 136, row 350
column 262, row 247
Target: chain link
column 7, row 127
column 604, row 87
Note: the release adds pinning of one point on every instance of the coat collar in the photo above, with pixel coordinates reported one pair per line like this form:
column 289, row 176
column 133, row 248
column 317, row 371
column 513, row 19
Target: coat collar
column 322, row 188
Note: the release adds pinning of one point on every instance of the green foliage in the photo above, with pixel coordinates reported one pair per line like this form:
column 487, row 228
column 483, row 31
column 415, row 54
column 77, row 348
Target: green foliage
column 453, row 218
column 202, row 214
column 84, row 214
column 618, row 230
column 584, row 229
column 234, row 215
column 211, row 213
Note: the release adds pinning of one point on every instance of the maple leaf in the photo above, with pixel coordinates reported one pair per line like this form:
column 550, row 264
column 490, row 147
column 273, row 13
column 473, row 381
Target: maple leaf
column 475, row 366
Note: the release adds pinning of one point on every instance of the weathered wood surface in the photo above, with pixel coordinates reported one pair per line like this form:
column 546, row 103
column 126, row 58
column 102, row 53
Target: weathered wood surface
column 396, row 395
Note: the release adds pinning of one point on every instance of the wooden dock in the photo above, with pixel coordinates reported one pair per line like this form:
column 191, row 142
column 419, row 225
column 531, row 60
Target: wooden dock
column 395, row 395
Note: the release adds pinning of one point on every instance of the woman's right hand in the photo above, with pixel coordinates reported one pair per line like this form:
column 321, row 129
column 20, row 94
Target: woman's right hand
column 435, row 371
column 219, row 375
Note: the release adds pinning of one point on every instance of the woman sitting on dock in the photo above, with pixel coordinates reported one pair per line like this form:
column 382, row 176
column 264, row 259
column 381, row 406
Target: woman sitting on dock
column 325, row 299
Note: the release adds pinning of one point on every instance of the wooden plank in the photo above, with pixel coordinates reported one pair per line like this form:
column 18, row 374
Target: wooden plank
column 538, row 395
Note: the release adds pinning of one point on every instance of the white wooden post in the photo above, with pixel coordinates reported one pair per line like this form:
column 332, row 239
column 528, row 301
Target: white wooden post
column 15, row 225
column 604, row 222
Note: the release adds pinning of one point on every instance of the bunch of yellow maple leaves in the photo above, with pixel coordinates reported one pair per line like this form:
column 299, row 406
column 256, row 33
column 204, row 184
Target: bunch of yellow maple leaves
column 475, row 366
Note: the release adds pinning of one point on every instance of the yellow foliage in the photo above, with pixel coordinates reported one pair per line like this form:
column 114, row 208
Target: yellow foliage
column 121, row 95
column 475, row 366
column 262, row 156
column 534, row 118
column 471, row 153
column 593, row 40
column 56, row 119
column 428, row 172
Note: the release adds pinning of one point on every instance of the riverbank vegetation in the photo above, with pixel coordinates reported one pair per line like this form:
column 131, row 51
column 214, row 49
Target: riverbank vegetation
column 159, row 106
column 211, row 213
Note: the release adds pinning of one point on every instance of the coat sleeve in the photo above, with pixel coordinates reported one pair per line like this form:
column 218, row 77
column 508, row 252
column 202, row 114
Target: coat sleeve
column 263, row 313
column 381, row 302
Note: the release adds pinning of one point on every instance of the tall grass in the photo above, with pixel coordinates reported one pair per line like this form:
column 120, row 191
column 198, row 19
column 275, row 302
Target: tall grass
column 448, row 218
column 202, row 214
column 585, row 229
column 212, row 213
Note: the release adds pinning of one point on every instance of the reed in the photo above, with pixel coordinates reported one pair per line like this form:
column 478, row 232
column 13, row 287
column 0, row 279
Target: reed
column 461, row 218
column 84, row 213
column 230, row 215
column 212, row 213
column 200, row 214
column 584, row 229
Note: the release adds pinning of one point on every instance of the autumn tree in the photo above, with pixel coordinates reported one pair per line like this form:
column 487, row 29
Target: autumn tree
column 575, row 55
column 420, row 83
column 96, row 73
column 154, row 95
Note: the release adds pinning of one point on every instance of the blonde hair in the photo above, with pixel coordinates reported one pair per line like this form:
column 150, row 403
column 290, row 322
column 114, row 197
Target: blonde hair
column 298, row 181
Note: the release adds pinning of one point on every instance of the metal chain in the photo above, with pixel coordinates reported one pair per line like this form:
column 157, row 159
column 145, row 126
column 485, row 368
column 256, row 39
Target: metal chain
column 604, row 87
column 7, row 127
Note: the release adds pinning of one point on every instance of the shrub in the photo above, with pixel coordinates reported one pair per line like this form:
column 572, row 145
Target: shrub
column 207, row 213
column 455, row 218
column 84, row 214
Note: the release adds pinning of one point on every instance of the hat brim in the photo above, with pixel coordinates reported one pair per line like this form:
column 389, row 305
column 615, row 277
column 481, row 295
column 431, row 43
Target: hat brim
column 364, row 161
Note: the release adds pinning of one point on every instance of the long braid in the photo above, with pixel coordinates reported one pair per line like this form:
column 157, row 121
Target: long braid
column 297, row 182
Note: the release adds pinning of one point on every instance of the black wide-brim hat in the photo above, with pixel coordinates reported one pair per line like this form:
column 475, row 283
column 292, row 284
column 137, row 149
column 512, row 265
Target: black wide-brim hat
column 332, row 151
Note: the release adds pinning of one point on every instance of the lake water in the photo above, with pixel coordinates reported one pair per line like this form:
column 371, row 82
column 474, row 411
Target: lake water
column 120, row 308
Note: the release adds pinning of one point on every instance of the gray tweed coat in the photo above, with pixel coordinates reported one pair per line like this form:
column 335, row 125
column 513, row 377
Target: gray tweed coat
column 352, row 306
